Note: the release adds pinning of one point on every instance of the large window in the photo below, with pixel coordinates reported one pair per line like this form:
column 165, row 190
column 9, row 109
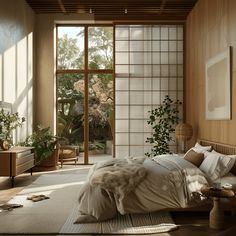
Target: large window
column 149, row 65
column 85, row 87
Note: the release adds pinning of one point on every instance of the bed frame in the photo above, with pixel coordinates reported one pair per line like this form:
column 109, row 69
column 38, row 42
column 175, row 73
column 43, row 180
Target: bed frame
column 219, row 147
column 227, row 204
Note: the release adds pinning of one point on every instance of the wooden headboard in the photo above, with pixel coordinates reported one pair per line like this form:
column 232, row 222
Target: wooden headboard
column 219, row 147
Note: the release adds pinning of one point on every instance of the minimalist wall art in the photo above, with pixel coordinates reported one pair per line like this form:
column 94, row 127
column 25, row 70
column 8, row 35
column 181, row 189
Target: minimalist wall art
column 218, row 87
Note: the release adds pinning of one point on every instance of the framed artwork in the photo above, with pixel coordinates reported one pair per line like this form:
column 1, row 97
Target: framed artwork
column 218, row 87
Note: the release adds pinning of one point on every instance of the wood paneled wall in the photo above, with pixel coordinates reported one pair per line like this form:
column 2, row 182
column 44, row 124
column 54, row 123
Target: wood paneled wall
column 210, row 29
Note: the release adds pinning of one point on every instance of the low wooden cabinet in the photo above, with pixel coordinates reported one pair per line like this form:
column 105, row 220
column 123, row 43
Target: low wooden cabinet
column 16, row 161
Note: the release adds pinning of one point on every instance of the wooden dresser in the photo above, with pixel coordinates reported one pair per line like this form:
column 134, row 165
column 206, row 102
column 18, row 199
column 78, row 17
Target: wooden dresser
column 15, row 161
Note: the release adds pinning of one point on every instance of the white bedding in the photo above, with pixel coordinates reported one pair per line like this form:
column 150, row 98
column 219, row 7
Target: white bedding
column 170, row 182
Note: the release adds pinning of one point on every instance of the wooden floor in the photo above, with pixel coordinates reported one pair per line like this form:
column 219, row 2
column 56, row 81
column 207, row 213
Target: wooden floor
column 190, row 223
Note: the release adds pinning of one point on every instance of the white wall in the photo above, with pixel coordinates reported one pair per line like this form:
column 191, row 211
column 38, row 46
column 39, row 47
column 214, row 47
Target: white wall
column 16, row 60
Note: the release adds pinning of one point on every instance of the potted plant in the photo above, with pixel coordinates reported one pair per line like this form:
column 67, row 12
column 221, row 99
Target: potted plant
column 8, row 123
column 163, row 121
column 46, row 149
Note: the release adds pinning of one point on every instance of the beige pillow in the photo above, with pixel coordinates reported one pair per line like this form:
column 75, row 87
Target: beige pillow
column 194, row 157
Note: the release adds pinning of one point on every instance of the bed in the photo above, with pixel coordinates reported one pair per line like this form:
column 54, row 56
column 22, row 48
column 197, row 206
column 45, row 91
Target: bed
column 138, row 185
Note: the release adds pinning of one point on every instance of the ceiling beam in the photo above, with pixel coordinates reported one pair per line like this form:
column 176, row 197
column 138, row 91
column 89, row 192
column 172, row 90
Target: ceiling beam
column 63, row 9
column 162, row 6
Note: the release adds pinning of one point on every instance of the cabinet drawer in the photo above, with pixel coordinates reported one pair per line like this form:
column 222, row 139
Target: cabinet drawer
column 22, row 159
column 25, row 166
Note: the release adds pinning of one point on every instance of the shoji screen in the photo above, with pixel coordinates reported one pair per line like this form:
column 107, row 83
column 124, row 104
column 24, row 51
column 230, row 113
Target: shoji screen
column 149, row 65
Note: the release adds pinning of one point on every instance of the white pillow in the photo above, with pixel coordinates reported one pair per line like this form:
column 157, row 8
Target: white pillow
column 202, row 148
column 216, row 165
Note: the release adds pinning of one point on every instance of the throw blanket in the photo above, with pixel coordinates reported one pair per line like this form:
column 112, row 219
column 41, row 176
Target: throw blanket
column 113, row 180
column 119, row 176
column 168, row 182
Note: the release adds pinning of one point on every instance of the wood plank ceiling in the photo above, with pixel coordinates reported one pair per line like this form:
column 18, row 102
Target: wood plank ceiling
column 165, row 10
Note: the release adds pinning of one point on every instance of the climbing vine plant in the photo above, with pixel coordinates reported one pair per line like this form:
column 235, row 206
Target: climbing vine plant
column 163, row 121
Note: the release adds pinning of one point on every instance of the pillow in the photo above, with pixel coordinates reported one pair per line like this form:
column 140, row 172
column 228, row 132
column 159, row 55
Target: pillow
column 194, row 157
column 199, row 149
column 233, row 169
column 216, row 165
column 202, row 148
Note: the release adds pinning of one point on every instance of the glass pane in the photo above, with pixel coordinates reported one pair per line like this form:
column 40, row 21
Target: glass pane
column 122, row 33
column 136, row 84
column 164, row 58
column 122, row 58
column 156, row 32
column 136, row 126
column 100, row 113
column 172, row 33
column 122, row 46
column 173, row 84
column 122, row 126
column 122, row 112
column 70, row 49
column 136, row 139
column 100, row 47
column 136, row 150
column 164, row 32
column 155, row 46
column 70, row 109
column 122, row 98
column 122, row 139
column 136, row 112
column 122, row 151
column 164, row 46
column 172, row 58
column 172, row 46
column 136, row 33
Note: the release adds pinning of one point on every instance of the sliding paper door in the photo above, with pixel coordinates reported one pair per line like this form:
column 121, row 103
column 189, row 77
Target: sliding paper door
column 148, row 66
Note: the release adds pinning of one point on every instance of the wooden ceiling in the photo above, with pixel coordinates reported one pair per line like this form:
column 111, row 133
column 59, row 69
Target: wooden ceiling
column 166, row 10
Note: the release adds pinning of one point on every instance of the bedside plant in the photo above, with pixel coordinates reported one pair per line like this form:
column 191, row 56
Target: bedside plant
column 163, row 120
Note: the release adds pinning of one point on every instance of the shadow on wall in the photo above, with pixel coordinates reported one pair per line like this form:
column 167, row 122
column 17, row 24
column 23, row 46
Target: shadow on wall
column 16, row 61
column 17, row 81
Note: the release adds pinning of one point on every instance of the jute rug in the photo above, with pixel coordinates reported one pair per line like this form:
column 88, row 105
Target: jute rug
column 158, row 222
column 55, row 216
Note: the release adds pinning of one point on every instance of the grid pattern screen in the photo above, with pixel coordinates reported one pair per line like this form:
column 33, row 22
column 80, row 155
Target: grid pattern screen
column 148, row 66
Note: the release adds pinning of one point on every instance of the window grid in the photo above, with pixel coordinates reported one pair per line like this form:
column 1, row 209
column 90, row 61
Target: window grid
column 148, row 67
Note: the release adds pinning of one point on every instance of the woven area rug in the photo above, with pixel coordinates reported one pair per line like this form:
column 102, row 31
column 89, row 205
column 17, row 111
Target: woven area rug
column 56, row 216
column 48, row 216
column 158, row 222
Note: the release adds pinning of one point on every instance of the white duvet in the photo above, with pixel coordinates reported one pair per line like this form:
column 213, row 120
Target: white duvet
column 170, row 182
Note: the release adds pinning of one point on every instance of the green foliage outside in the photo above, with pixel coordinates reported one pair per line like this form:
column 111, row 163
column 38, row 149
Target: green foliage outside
column 70, row 93
column 163, row 121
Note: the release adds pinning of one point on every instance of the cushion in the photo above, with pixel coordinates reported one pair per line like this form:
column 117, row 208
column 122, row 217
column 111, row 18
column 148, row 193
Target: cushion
column 199, row 149
column 233, row 169
column 216, row 165
column 194, row 157
column 67, row 153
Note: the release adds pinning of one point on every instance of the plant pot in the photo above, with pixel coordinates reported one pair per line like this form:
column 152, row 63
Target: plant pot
column 51, row 163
